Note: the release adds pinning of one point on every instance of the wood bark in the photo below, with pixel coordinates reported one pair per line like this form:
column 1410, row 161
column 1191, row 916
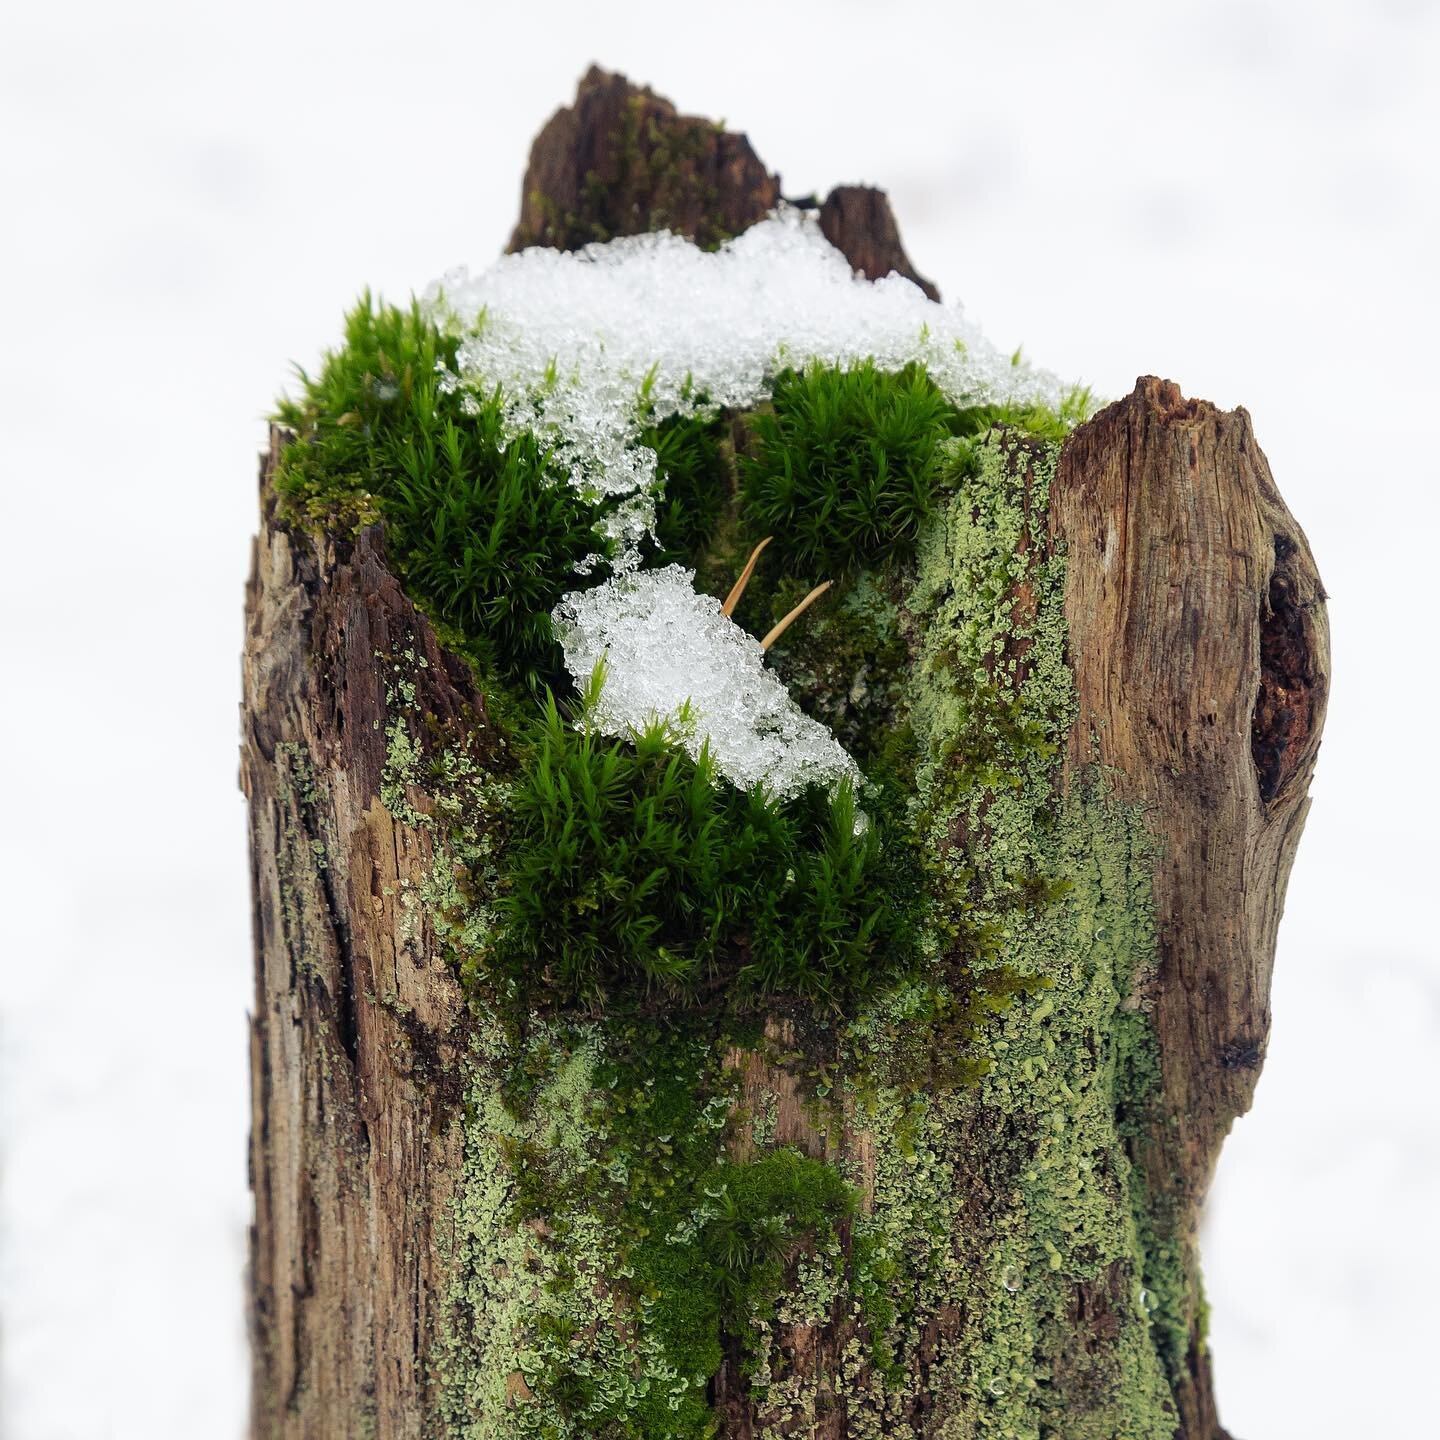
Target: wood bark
column 858, row 221
column 1200, row 650
column 623, row 161
column 356, row 1139
column 1198, row 646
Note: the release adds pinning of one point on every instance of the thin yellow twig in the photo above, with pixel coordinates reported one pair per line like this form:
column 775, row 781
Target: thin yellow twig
column 738, row 588
column 794, row 615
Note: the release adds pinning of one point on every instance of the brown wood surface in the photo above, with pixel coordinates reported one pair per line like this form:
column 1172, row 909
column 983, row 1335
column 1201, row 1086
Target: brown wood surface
column 858, row 221
column 1200, row 649
column 356, row 1137
column 622, row 161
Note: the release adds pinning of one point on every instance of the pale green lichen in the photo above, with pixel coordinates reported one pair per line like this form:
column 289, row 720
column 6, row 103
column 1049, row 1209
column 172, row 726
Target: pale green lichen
column 403, row 753
column 763, row 1121
column 547, row 1336
column 462, row 801
column 1040, row 1133
column 514, row 1312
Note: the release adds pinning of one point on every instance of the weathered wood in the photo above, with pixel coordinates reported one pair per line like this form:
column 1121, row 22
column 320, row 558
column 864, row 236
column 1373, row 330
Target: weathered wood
column 858, row 221
column 356, row 1141
column 1198, row 649
column 623, row 161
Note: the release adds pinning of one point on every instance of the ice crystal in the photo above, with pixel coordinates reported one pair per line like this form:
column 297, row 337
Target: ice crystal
column 577, row 340
column 626, row 525
column 668, row 648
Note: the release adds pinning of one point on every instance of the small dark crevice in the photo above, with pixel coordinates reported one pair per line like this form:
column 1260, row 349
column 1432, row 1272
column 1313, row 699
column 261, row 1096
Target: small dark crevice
column 312, row 826
column 347, row 1018
column 347, row 1026
column 310, row 1230
column 1241, row 1055
column 1284, row 715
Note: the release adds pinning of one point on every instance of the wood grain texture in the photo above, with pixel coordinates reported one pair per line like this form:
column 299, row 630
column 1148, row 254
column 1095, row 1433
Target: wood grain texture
column 1200, row 648
column 356, row 1139
column 623, row 161
column 858, row 221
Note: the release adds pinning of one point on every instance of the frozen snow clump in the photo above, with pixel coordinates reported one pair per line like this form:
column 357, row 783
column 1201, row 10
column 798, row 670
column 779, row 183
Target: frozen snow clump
column 663, row 645
column 576, row 340
column 583, row 346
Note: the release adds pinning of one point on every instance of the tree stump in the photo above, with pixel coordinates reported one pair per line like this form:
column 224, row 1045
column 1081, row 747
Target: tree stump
column 1140, row 610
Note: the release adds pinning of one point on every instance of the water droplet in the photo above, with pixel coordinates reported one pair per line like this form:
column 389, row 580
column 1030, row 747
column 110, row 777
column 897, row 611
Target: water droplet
column 1010, row 1278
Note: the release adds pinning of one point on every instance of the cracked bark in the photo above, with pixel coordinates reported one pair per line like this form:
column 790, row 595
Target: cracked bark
column 1198, row 641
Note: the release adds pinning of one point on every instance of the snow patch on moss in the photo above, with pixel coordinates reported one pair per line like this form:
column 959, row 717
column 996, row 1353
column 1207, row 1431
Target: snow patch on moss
column 575, row 339
column 671, row 654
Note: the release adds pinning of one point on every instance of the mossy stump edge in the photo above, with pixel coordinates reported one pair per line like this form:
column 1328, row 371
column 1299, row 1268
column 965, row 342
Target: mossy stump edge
column 1000, row 1245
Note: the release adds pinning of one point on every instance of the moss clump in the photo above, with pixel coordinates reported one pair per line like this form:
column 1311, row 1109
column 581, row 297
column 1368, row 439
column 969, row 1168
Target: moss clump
column 482, row 529
column 631, row 870
column 690, row 454
column 765, row 1208
column 845, row 466
column 842, row 466
column 611, row 1254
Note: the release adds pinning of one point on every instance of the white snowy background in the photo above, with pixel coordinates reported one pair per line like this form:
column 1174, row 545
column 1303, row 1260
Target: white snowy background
column 1242, row 197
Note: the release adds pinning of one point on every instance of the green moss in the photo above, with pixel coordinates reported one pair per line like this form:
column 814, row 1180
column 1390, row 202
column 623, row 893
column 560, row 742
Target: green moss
column 749, row 1224
column 632, row 871
column 482, row 530
column 845, row 465
column 691, row 454
column 763, row 1207
column 613, row 1252
column 842, row 465
column 1002, row 1192
column 609, row 1252
column 975, row 954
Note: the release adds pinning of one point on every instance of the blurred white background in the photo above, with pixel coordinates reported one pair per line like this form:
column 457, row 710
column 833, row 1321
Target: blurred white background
column 1241, row 197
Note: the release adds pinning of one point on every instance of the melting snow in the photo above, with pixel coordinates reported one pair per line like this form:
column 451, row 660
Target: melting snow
column 664, row 644
column 573, row 337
